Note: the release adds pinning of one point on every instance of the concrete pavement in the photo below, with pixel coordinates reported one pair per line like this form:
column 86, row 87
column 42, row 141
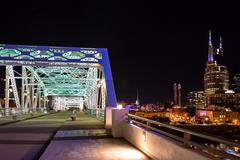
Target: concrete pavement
column 9, row 119
column 92, row 149
column 26, row 140
column 86, row 139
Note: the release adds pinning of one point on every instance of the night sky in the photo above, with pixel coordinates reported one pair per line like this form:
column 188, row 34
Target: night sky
column 151, row 45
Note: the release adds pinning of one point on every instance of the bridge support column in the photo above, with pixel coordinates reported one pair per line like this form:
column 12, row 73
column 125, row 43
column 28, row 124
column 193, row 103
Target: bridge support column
column 118, row 118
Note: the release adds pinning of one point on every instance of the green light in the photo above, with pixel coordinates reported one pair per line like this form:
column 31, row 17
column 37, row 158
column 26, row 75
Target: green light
column 41, row 54
column 74, row 55
column 9, row 52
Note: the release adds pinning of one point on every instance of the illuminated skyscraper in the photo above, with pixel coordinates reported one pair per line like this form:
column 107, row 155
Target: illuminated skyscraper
column 216, row 77
column 216, row 81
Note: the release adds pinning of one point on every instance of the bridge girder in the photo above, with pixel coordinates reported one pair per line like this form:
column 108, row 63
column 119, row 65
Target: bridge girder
column 57, row 71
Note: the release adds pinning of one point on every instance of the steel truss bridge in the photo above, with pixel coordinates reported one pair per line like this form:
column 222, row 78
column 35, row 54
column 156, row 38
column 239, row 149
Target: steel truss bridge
column 44, row 77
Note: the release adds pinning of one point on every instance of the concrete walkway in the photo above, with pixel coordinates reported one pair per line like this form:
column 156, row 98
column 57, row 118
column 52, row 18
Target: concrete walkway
column 26, row 140
column 86, row 139
column 9, row 119
column 92, row 149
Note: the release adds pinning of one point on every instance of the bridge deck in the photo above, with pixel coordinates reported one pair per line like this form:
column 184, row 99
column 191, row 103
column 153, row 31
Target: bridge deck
column 26, row 139
column 92, row 149
column 84, row 138
column 87, row 139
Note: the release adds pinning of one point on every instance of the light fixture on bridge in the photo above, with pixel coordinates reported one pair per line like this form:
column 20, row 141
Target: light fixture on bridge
column 144, row 135
column 119, row 106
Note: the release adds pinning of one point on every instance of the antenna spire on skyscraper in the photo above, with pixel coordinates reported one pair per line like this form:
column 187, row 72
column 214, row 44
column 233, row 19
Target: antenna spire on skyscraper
column 220, row 43
column 220, row 46
column 210, row 38
column 137, row 100
column 210, row 47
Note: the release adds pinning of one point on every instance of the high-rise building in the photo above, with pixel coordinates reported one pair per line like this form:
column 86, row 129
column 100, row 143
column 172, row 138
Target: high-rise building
column 216, row 80
column 236, row 83
column 177, row 94
column 216, row 77
column 196, row 99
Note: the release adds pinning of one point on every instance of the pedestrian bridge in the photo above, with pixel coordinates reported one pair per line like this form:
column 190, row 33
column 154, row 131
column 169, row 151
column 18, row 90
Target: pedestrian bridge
column 50, row 81
column 44, row 78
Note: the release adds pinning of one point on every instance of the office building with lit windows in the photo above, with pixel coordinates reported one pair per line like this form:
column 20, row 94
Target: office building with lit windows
column 216, row 77
column 196, row 99
column 216, row 80
column 236, row 83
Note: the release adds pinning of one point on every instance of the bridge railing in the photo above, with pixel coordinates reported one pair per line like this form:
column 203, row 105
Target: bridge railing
column 189, row 138
column 96, row 112
column 19, row 111
column 11, row 112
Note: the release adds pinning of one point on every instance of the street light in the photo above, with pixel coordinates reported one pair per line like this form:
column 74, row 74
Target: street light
column 119, row 106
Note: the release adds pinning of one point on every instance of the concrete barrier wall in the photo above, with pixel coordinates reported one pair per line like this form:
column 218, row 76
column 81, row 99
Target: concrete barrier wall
column 108, row 117
column 158, row 146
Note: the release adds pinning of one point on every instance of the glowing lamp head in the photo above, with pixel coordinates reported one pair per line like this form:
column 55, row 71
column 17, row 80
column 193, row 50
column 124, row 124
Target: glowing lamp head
column 119, row 106
column 144, row 136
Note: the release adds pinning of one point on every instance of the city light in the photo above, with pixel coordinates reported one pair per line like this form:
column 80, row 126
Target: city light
column 144, row 136
column 229, row 91
column 127, row 153
column 119, row 106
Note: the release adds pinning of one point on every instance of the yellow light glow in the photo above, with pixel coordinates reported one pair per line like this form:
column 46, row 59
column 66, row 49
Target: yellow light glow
column 235, row 121
column 236, row 149
column 119, row 106
column 144, row 136
column 130, row 154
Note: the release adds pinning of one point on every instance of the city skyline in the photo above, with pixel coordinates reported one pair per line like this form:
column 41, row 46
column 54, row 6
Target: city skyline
column 145, row 41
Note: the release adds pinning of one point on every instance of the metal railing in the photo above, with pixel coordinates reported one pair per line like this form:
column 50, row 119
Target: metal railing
column 96, row 112
column 185, row 136
column 19, row 111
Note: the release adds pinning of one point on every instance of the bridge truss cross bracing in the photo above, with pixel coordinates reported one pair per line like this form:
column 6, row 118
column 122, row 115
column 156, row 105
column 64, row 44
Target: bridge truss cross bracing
column 43, row 77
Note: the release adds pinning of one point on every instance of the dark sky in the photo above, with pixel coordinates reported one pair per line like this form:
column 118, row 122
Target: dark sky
column 151, row 45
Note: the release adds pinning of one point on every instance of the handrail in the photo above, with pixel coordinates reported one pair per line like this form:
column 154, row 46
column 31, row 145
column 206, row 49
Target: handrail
column 186, row 131
column 97, row 112
column 133, row 118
